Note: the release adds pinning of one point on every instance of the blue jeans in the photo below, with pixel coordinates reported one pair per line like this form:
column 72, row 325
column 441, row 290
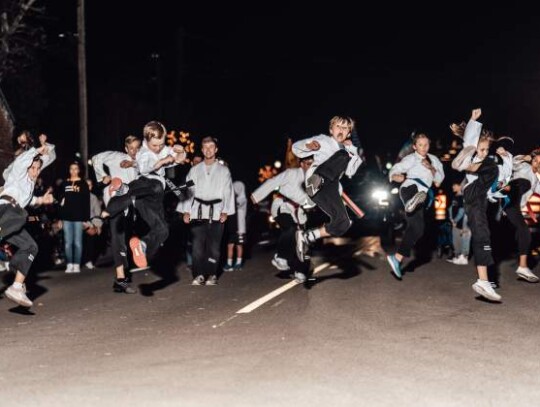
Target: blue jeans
column 73, row 239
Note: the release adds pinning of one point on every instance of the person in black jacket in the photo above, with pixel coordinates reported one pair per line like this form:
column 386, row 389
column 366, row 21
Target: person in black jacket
column 74, row 211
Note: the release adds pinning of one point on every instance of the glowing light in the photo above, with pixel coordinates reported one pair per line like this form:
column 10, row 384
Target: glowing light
column 388, row 166
column 277, row 164
column 394, row 191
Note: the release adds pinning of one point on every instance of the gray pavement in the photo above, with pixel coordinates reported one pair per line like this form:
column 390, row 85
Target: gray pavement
column 358, row 337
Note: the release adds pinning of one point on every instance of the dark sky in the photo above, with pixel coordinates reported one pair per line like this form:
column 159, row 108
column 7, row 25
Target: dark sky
column 253, row 76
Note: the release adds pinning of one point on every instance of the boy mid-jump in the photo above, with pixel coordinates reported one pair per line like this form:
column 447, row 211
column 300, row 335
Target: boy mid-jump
column 333, row 156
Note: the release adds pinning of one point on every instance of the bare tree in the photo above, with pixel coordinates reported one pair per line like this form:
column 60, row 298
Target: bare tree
column 20, row 36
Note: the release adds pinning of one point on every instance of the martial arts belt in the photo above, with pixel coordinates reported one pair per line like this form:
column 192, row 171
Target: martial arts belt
column 209, row 203
column 431, row 194
column 352, row 206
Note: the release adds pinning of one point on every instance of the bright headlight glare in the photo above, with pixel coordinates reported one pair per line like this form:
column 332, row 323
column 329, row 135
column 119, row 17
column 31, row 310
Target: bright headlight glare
column 379, row 195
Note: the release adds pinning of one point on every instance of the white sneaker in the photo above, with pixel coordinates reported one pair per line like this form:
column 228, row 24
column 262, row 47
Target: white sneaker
column 89, row 265
column 18, row 295
column 526, row 274
column 461, row 260
column 69, row 268
column 485, row 289
column 299, row 277
column 418, row 199
column 76, row 268
column 280, row 263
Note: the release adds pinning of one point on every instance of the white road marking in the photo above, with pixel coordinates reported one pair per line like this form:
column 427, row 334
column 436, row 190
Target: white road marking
column 257, row 303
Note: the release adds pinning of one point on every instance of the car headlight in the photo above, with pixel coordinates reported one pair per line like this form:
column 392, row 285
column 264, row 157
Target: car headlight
column 381, row 196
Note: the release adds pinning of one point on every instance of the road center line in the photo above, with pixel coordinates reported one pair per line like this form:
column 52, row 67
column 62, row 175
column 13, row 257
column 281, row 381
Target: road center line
column 257, row 303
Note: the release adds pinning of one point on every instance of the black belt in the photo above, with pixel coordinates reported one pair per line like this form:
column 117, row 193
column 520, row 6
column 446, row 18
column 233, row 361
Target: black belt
column 11, row 200
column 210, row 203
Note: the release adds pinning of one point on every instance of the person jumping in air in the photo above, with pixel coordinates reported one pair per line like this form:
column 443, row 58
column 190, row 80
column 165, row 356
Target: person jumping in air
column 333, row 156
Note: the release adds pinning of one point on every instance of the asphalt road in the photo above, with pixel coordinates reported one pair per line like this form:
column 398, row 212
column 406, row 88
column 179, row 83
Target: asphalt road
column 354, row 337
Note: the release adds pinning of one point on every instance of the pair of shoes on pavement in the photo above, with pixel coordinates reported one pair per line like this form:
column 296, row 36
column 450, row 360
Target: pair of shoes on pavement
column 18, row 295
column 314, row 184
column 485, row 289
column 280, row 263
column 418, row 199
column 73, row 268
column 121, row 285
column 526, row 274
column 230, row 267
column 199, row 280
column 460, row 260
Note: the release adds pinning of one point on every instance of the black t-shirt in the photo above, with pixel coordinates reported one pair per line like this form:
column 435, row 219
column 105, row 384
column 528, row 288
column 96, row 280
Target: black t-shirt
column 75, row 201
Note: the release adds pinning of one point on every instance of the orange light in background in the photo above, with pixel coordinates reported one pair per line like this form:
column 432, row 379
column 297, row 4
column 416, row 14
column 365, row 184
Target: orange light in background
column 440, row 207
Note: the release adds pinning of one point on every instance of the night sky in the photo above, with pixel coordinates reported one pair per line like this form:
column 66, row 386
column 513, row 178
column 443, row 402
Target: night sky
column 253, row 76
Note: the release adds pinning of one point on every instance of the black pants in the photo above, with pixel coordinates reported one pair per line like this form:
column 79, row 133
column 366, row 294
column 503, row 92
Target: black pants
column 334, row 166
column 518, row 187
column 12, row 221
column 206, row 247
column 415, row 222
column 475, row 203
column 117, row 227
column 328, row 198
column 149, row 195
column 286, row 243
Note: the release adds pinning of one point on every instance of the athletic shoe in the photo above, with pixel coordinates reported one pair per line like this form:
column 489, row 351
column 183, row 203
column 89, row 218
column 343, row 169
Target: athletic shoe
column 211, row 280
column 138, row 251
column 238, row 266
column 69, row 268
column 117, row 187
column 228, row 267
column 526, row 274
column 485, row 289
column 18, row 295
column 199, row 280
column 418, row 199
column 89, row 265
column 76, row 268
column 460, row 260
column 394, row 264
column 314, row 184
column 280, row 264
column 122, row 286
column 299, row 277
column 301, row 245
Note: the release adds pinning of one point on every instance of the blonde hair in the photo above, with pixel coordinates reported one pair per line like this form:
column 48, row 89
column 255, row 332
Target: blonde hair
column 154, row 129
column 342, row 119
column 130, row 139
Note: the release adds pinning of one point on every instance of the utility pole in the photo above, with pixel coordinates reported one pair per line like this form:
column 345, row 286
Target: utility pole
column 83, row 103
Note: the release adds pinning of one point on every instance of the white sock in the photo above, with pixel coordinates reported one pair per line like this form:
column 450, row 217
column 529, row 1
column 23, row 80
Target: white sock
column 238, row 260
column 17, row 285
column 229, row 262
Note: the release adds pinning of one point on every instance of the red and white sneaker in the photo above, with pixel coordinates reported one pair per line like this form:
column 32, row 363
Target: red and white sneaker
column 138, row 251
column 117, row 187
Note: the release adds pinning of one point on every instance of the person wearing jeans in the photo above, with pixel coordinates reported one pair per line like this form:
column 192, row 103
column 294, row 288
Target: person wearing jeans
column 75, row 209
